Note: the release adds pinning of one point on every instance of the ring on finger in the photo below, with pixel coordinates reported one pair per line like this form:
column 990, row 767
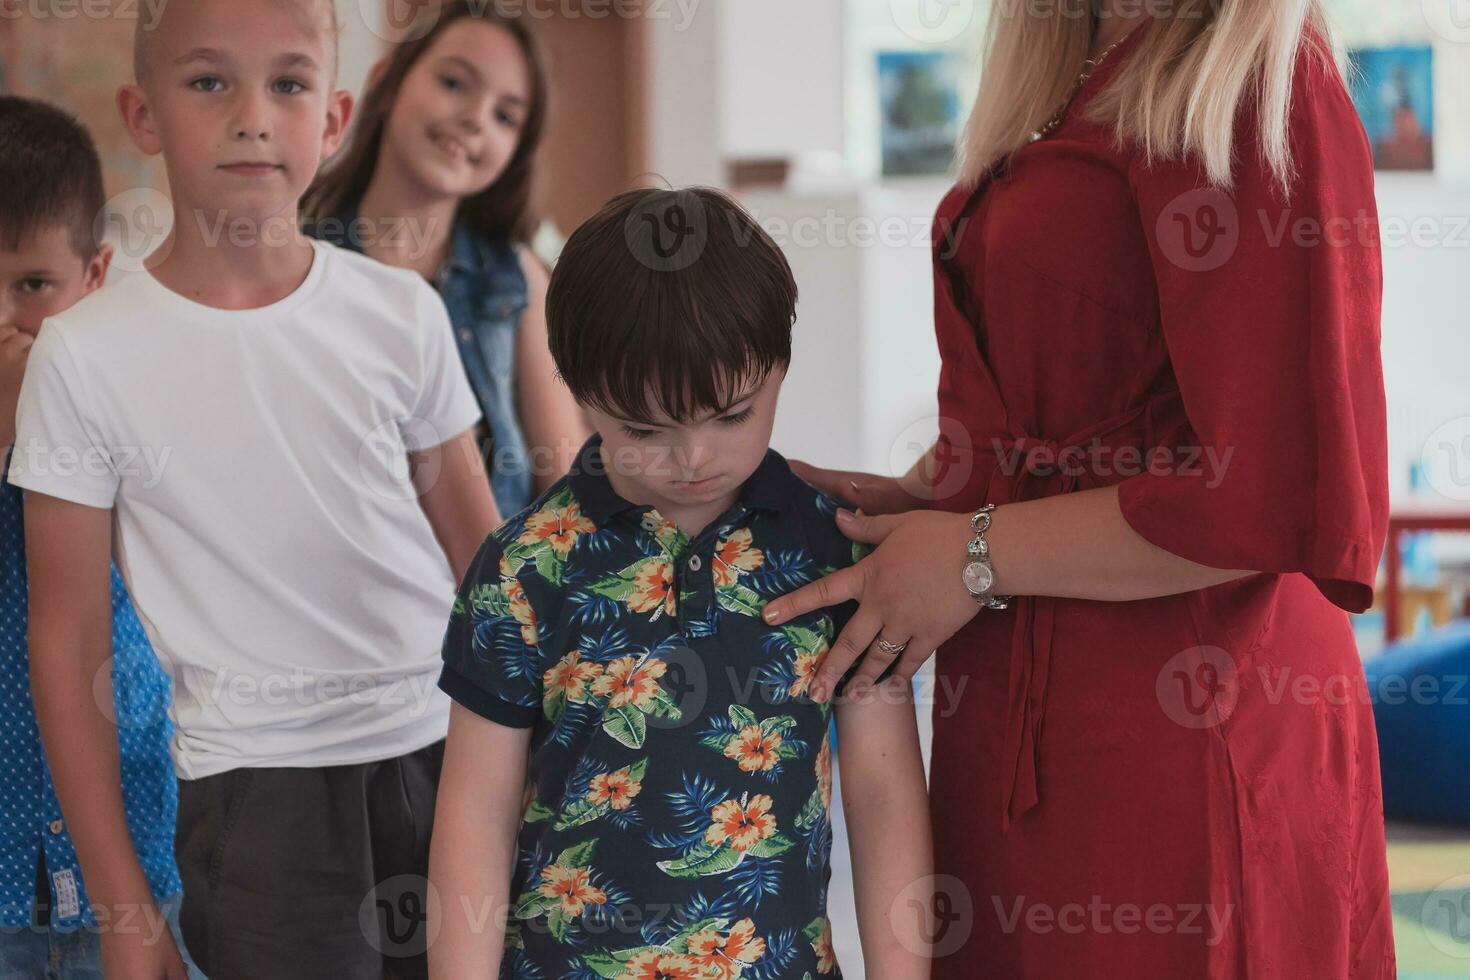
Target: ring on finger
column 893, row 649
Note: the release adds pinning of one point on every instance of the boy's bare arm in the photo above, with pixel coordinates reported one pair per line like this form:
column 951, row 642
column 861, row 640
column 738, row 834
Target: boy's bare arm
column 885, row 802
column 69, row 553
column 555, row 425
column 455, row 495
column 472, row 850
column 15, row 350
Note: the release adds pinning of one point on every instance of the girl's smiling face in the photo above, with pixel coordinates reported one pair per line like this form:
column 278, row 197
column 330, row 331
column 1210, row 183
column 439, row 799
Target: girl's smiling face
column 460, row 111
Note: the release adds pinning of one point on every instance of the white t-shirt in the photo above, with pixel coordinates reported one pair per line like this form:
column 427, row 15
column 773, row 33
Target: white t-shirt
column 265, row 522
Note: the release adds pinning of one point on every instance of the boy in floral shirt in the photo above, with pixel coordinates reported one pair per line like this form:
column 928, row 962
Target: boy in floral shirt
column 637, row 781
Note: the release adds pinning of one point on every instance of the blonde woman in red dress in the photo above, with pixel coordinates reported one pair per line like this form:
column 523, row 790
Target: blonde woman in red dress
column 1157, row 297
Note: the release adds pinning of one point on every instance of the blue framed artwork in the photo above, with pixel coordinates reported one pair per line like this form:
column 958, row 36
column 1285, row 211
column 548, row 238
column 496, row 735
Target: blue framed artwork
column 920, row 96
column 1393, row 89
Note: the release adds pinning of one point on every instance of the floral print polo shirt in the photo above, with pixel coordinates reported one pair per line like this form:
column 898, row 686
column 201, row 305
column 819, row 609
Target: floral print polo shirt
column 676, row 821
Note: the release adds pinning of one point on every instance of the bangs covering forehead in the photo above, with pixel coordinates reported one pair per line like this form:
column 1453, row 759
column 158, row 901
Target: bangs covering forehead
column 683, row 326
column 677, row 355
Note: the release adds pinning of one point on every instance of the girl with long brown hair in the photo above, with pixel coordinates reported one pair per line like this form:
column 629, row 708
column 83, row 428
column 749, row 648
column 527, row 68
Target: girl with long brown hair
column 437, row 177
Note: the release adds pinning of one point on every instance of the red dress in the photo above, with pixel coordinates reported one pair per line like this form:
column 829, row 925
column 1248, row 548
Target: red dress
column 1184, row 787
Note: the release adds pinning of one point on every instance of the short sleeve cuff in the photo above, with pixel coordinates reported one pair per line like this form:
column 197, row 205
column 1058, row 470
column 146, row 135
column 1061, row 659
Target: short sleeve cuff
column 483, row 703
column 464, row 415
column 103, row 497
column 1342, row 567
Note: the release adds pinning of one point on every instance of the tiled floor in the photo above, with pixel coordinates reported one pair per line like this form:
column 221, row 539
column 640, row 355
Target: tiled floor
column 1429, row 873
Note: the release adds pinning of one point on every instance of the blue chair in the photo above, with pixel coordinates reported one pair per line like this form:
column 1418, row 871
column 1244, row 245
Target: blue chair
column 1421, row 704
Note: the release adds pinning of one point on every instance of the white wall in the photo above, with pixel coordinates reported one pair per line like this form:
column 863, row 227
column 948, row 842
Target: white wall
column 684, row 97
column 781, row 77
column 1425, row 225
column 360, row 43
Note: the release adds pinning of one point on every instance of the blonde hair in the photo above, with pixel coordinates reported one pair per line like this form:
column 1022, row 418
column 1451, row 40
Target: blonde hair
column 1177, row 95
column 143, row 35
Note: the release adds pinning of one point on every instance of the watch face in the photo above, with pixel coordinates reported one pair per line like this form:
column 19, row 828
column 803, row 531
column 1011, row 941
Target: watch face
column 979, row 577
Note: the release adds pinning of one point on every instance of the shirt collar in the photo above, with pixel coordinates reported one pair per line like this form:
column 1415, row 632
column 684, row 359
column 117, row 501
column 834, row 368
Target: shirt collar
column 768, row 488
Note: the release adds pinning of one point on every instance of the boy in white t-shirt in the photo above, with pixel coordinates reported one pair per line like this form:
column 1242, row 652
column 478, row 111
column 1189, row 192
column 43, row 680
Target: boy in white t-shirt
column 278, row 436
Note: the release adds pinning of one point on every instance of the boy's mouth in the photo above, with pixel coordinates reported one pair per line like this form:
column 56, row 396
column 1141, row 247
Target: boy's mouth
column 247, row 169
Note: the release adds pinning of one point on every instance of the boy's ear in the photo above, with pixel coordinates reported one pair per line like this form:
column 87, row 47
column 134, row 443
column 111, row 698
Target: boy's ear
column 132, row 105
column 97, row 269
column 339, row 114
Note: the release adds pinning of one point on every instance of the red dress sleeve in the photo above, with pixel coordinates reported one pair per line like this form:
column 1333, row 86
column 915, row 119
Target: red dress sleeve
column 1270, row 314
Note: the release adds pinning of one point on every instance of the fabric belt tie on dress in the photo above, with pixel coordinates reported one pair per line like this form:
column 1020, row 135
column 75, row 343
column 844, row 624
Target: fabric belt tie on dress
column 1031, row 637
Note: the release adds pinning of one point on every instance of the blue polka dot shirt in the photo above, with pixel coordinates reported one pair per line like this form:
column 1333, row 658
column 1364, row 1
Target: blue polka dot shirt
column 30, row 817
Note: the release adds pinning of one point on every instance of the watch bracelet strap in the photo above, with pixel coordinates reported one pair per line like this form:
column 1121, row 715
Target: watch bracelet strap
column 979, row 547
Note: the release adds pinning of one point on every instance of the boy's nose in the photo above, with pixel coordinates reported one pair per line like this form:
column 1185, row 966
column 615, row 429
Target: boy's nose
column 246, row 131
column 697, row 454
column 250, row 120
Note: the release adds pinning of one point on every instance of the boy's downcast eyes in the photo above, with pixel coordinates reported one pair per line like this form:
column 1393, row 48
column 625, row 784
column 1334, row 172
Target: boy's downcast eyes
column 736, row 419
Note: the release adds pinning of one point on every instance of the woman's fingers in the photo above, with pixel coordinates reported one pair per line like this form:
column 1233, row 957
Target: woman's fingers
column 877, row 659
column 868, row 492
column 830, row 590
column 867, row 528
column 859, row 634
column 915, row 655
column 834, row 483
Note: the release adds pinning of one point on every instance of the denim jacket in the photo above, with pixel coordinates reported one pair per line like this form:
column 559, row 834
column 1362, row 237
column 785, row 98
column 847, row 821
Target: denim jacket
column 484, row 289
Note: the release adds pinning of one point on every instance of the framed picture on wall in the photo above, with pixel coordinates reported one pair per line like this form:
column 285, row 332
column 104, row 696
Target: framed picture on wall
column 920, row 97
column 1393, row 88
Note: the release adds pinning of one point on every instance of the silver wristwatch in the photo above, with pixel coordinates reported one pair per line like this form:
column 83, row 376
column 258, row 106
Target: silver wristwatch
column 979, row 573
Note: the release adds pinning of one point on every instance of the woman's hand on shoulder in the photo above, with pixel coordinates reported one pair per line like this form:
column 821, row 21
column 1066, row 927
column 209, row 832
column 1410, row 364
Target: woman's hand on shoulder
column 868, row 492
column 909, row 591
